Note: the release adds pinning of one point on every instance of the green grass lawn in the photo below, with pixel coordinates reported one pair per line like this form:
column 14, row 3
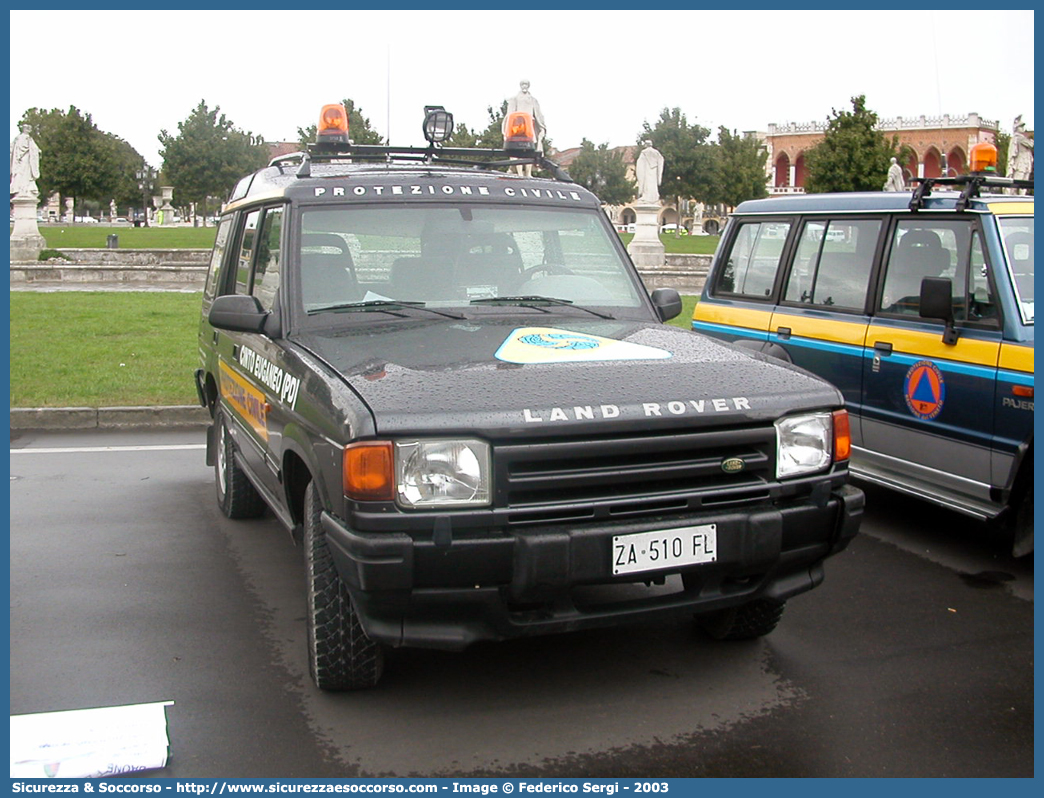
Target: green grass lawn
column 116, row 349
column 95, row 236
column 682, row 245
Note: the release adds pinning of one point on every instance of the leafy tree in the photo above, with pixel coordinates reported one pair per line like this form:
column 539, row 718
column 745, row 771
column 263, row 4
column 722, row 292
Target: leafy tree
column 463, row 136
column 492, row 137
column 853, row 155
column 360, row 131
column 77, row 160
column 127, row 163
column 603, row 172
column 740, row 167
column 208, row 156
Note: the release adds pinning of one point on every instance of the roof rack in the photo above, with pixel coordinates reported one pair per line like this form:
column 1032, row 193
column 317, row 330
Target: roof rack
column 971, row 185
column 458, row 156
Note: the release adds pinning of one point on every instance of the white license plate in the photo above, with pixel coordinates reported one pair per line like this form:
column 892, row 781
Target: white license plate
column 654, row 551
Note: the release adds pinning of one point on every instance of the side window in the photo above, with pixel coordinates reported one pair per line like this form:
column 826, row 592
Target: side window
column 217, row 257
column 751, row 264
column 266, row 270
column 833, row 263
column 924, row 249
column 1017, row 232
column 973, row 299
column 247, row 242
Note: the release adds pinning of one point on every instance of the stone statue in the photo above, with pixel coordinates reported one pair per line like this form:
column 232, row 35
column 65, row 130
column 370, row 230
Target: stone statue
column 648, row 170
column 112, row 210
column 1020, row 152
column 25, row 165
column 895, row 177
column 527, row 103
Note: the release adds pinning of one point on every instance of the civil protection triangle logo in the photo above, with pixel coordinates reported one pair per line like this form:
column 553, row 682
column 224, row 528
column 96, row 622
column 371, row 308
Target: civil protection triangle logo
column 924, row 390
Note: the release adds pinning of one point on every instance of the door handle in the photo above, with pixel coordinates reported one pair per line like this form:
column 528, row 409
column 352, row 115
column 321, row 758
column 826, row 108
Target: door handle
column 783, row 333
column 881, row 348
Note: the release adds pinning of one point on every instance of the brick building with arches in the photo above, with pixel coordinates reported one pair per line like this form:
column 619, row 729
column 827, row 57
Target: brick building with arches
column 940, row 145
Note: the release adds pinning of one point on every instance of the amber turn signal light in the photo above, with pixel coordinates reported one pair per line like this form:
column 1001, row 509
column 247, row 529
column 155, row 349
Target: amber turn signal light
column 842, row 436
column 368, row 473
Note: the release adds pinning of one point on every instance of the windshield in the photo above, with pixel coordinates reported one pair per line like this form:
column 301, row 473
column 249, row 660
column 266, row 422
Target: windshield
column 455, row 256
column 1017, row 234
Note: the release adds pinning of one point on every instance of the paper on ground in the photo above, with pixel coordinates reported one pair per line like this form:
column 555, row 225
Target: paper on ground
column 88, row 743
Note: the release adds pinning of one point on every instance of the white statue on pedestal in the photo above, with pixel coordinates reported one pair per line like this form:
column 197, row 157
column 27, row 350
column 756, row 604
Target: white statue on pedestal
column 526, row 103
column 648, row 170
column 1020, row 152
column 25, row 165
column 895, row 177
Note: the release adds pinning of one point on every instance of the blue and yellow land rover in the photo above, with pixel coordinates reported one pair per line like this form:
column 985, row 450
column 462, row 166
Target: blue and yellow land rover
column 919, row 307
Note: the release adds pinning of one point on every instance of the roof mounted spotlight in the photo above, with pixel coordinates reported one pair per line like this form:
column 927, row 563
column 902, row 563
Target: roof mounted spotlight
column 438, row 124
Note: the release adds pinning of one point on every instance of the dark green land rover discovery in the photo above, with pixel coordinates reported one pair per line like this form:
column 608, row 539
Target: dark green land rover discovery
column 449, row 383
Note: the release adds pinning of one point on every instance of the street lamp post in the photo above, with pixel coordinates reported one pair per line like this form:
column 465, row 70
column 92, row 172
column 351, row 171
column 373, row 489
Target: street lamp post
column 145, row 177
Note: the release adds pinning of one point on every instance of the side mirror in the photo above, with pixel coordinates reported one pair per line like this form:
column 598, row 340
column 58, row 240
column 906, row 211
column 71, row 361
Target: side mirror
column 937, row 303
column 237, row 313
column 667, row 302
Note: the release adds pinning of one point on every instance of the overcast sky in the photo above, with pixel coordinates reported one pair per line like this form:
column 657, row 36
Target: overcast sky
column 596, row 74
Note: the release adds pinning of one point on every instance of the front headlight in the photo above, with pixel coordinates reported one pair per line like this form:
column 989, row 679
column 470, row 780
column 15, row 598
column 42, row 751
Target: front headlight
column 804, row 444
column 442, row 473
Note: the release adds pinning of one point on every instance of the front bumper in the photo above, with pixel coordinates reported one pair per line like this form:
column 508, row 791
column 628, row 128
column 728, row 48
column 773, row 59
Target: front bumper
column 440, row 591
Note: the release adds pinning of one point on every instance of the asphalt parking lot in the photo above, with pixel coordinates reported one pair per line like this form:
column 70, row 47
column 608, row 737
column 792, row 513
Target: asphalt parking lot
column 914, row 658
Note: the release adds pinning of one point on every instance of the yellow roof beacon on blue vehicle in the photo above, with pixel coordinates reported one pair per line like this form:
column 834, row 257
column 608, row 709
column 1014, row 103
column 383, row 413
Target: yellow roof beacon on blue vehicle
column 919, row 307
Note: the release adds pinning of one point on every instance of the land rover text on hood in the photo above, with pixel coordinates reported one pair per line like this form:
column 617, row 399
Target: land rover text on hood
column 449, row 383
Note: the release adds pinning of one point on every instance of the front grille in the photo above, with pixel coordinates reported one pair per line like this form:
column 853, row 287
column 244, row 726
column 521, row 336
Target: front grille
column 632, row 475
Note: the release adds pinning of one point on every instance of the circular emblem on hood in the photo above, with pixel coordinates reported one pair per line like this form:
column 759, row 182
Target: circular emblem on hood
column 733, row 465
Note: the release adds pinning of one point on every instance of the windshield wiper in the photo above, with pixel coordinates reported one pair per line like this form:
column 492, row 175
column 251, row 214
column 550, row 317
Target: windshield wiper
column 536, row 302
column 382, row 306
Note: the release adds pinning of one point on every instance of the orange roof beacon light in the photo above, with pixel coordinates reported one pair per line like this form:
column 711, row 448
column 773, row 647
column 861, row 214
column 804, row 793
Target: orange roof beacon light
column 333, row 125
column 519, row 133
column 983, row 158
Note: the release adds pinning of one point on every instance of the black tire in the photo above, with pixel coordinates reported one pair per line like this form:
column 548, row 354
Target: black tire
column 745, row 622
column 340, row 654
column 236, row 496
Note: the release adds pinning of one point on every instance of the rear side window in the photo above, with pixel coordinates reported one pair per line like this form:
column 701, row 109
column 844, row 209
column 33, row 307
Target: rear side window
column 833, row 263
column 752, row 262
